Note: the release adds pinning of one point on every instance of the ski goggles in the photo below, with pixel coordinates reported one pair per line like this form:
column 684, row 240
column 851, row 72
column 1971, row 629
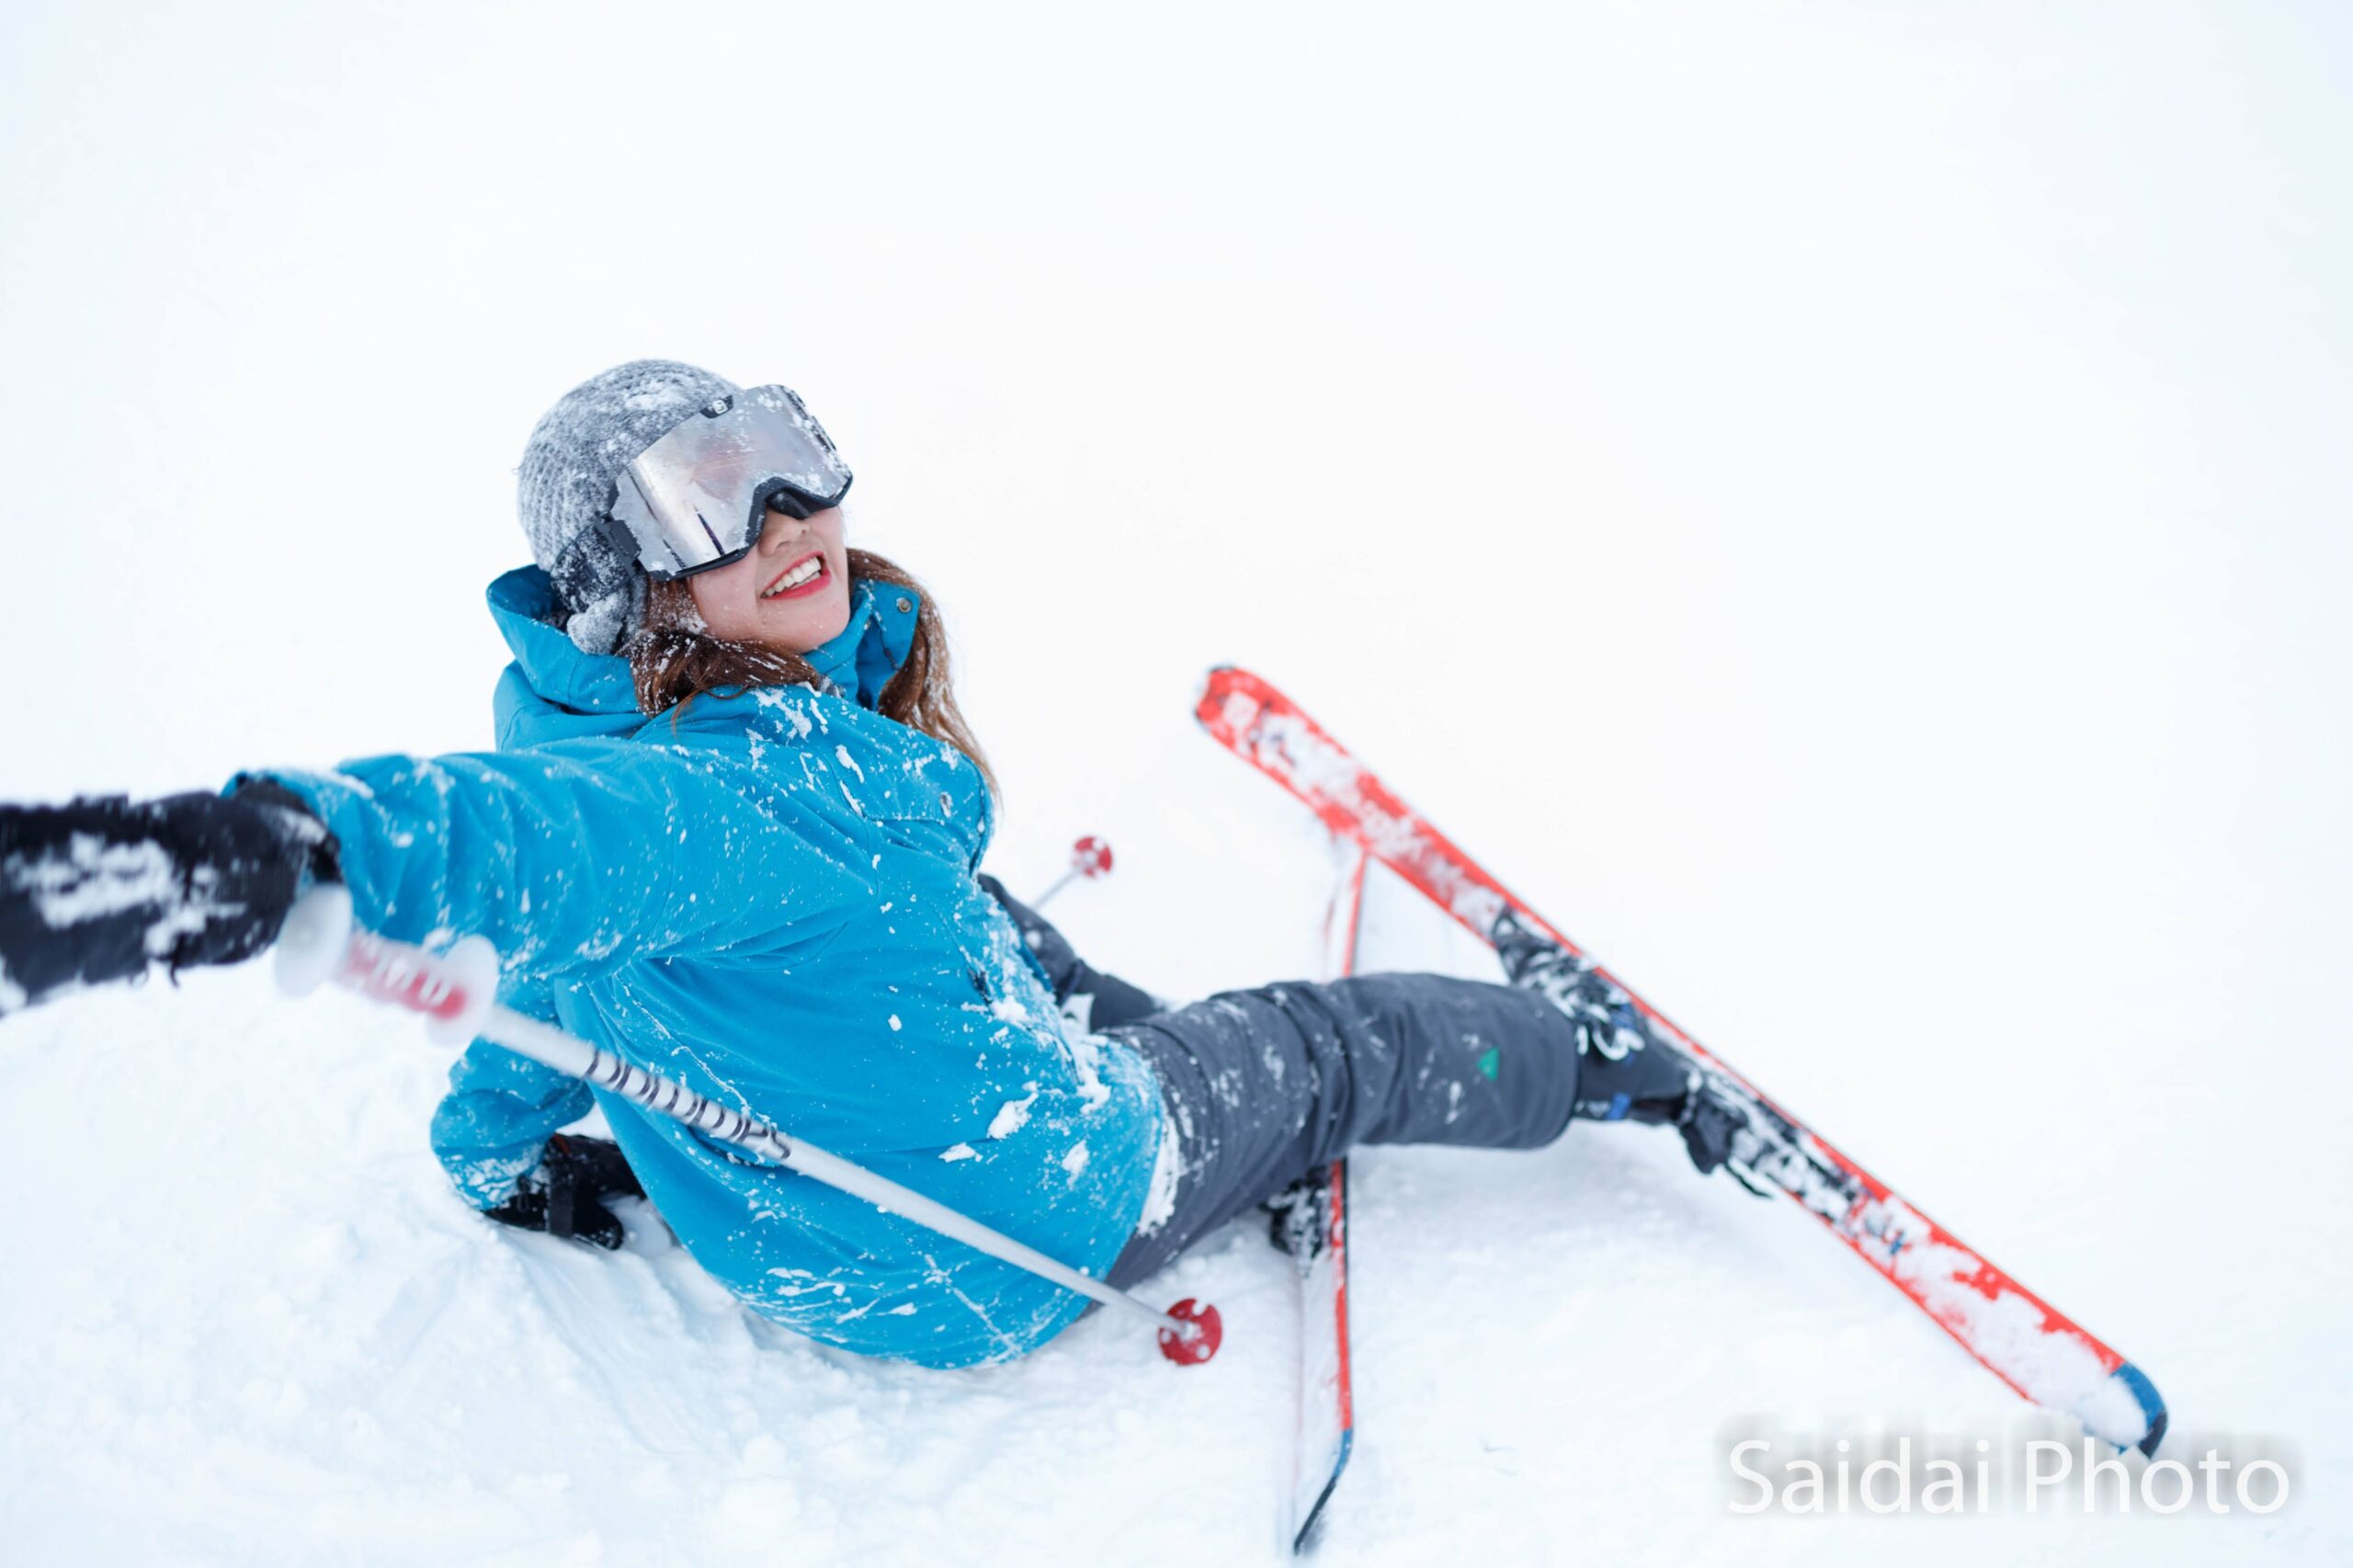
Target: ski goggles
column 696, row 499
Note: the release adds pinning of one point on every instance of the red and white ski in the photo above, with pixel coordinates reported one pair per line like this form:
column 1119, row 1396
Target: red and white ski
column 1312, row 1224
column 2037, row 1350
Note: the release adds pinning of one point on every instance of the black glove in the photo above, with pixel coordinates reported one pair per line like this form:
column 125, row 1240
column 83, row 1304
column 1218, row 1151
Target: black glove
column 564, row 1196
column 94, row 890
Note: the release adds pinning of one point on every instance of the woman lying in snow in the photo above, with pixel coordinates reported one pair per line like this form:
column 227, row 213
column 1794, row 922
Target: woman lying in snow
column 732, row 833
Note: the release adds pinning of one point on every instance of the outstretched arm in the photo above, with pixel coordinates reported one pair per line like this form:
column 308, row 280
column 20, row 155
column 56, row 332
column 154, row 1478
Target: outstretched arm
column 573, row 860
column 578, row 858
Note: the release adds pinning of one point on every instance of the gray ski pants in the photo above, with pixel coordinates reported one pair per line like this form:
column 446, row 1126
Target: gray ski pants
column 1268, row 1085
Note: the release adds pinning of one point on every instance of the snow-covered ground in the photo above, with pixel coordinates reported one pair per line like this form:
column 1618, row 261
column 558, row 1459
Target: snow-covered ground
column 1845, row 510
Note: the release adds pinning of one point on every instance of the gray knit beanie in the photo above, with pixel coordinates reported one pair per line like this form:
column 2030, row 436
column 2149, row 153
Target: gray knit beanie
column 564, row 489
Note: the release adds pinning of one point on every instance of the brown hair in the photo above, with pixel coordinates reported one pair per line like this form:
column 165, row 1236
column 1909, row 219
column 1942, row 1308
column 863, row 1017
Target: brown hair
column 674, row 661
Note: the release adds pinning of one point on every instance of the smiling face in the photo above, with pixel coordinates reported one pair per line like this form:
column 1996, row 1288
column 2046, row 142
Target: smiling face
column 792, row 593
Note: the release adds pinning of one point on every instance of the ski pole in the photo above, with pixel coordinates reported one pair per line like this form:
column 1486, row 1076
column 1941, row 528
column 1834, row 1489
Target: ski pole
column 1089, row 858
column 457, row 993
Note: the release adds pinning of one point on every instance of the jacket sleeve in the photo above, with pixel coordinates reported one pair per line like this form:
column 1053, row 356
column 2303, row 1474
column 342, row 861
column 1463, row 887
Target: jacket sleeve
column 490, row 1128
column 579, row 858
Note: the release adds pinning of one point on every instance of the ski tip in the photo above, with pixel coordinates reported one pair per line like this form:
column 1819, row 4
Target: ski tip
column 1207, row 1334
column 2152, row 1406
column 1215, row 684
column 1205, row 697
column 2125, row 1408
column 1310, row 1531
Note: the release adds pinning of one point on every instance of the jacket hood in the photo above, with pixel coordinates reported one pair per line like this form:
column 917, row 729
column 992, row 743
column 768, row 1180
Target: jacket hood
column 553, row 692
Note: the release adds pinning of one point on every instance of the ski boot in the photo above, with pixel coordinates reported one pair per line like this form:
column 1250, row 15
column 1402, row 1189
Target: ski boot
column 1626, row 1073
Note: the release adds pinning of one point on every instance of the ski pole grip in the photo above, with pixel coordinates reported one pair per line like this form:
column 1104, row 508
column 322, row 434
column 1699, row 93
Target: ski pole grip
column 454, row 992
column 310, row 945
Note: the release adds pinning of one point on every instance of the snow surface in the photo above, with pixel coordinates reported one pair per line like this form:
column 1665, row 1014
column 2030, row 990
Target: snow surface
column 1870, row 565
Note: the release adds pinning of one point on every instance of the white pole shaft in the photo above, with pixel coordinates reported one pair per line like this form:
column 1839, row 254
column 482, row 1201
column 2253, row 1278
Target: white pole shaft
column 568, row 1055
column 456, row 992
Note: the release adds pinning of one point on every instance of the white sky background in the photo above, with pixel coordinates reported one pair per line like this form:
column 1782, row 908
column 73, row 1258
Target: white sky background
column 1846, row 504
column 1834, row 465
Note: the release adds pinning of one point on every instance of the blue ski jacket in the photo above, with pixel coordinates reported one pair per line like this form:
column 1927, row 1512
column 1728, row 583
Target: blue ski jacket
column 771, row 897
